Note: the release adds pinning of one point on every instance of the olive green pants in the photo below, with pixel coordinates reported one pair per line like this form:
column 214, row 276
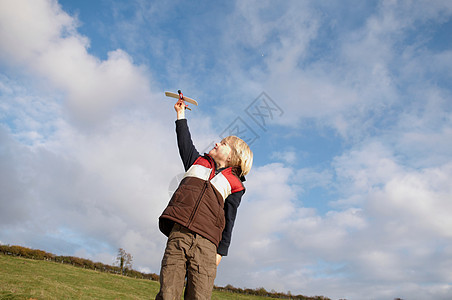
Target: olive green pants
column 187, row 255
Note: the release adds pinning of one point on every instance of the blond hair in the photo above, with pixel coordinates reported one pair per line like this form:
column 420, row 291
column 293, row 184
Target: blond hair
column 241, row 154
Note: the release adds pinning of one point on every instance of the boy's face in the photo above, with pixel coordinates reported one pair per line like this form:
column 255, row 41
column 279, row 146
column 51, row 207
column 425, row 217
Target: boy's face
column 220, row 153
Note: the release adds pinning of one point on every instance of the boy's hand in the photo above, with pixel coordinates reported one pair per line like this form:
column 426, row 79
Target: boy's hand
column 218, row 259
column 180, row 109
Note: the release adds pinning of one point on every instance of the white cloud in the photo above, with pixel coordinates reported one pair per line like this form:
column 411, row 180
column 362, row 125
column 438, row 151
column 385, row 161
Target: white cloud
column 106, row 188
column 27, row 28
column 289, row 156
column 90, row 190
column 351, row 86
column 400, row 221
column 417, row 200
column 43, row 39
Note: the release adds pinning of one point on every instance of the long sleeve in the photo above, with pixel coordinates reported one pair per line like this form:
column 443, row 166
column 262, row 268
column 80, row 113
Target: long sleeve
column 187, row 150
column 230, row 210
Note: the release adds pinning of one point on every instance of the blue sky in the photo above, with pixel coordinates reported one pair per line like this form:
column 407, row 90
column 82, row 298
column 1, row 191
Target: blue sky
column 347, row 104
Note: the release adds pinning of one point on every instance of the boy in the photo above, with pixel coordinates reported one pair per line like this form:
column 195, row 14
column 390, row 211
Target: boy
column 201, row 213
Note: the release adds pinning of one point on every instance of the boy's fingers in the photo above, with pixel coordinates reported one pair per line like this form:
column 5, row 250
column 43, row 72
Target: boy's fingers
column 181, row 103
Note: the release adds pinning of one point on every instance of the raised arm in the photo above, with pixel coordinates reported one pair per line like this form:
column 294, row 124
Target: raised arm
column 187, row 150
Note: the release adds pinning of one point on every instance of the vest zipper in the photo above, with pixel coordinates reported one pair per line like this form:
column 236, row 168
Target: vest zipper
column 198, row 201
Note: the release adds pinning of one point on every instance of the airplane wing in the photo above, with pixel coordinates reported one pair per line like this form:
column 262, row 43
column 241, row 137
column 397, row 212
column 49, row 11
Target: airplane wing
column 174, row 95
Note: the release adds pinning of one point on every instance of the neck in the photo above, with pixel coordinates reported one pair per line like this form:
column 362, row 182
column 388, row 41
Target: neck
column 218, row 164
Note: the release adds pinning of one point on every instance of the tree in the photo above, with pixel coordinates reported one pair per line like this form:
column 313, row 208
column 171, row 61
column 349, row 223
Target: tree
column 124, row 260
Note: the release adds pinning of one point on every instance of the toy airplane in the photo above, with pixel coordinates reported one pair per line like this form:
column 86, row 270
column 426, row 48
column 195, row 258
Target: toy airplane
column 181, row 96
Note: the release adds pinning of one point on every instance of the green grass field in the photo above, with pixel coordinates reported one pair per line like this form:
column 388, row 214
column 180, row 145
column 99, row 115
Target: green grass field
column 36, row 279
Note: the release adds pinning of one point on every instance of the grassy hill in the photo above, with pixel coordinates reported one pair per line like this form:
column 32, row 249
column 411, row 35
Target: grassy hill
column 22, row 278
